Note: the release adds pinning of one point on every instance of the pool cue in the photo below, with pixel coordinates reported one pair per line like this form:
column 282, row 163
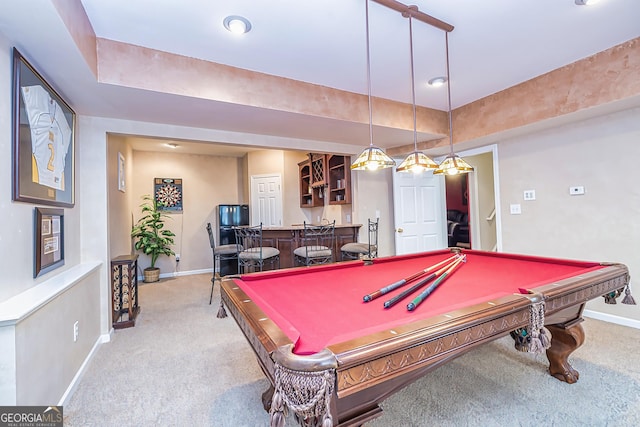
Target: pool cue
column 393, row 301
column 401, row 282
column 424, row 294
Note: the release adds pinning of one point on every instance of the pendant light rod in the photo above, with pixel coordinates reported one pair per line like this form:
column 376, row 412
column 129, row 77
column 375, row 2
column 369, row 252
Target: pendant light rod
column 373, row 157
column 446, row 44
column 417, row 161
column 452, row 164
column 369, row 75
column 413, row 83
column 420, row 16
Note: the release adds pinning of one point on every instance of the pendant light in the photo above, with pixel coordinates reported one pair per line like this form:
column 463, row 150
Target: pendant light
column 452, row 164
column 416, row 162
column 373, row 157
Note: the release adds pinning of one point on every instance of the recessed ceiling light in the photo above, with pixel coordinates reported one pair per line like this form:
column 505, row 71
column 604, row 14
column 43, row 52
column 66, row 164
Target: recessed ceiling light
column 586, row 2
column 437, row 81
column 171, row 145
column 237, row 24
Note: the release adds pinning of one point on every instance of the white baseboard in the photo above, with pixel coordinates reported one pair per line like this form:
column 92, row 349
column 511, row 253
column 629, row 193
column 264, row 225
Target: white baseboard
column 180, row 273
column 612, row 319
column 76, row 379
column 186, row 273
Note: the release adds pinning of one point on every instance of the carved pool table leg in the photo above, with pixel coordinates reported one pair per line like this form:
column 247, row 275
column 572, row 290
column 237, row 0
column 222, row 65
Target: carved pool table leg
column 267, row 396
column 564, row 341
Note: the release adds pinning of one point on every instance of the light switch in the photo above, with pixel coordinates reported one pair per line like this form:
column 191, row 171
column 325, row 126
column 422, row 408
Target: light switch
column 515, row 209
column 529, row 194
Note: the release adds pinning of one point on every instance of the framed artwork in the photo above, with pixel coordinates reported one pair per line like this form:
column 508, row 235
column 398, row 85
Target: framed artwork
column 168, row 193
column 48, row 232
column 43, row 140
column 121, row 174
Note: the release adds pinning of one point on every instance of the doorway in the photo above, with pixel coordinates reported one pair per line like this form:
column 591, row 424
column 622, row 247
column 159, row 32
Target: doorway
column 483, row 198
column 420, row 206
column 266, row 200
column 457, row 207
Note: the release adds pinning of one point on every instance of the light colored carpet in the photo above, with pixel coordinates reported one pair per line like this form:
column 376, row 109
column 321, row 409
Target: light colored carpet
column 182, row 366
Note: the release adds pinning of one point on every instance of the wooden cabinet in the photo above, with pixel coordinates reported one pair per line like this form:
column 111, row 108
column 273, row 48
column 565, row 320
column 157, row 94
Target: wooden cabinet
column 339, row 179
column 325, row 176
column 311, row 194
column 124, row 291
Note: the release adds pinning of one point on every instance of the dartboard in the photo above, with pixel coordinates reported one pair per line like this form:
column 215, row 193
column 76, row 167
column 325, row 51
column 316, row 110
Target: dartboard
column 168, row 191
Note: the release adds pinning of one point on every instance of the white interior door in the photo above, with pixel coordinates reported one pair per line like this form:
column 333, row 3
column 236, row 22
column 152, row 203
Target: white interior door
column 419, row 211
column 266, row 200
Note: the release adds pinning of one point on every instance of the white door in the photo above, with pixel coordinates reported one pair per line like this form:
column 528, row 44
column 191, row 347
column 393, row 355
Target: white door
column 266, row 200
column 419, row 211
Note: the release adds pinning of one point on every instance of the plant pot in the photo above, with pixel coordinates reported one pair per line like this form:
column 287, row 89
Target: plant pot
column 151, row 274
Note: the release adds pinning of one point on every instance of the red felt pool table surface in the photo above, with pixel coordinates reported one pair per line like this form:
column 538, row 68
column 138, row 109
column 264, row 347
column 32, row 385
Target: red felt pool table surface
column 320, row 306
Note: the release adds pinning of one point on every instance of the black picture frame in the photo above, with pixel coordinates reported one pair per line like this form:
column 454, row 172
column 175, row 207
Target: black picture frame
column 48, row 233
column 43, row 133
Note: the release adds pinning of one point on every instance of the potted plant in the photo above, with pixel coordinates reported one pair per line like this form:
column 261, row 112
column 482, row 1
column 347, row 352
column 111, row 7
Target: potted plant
column 151, row 237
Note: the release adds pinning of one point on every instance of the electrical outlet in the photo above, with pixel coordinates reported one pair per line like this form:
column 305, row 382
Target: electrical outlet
column 177, row 257
column 75, row 331
column 576, row 191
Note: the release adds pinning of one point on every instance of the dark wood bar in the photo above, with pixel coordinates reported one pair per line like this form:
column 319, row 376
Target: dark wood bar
column 286, row 239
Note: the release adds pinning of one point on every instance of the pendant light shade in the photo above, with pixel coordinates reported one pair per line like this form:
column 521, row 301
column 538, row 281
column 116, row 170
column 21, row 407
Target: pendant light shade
column 416, row 162
column 452, row 164
column 373, row 157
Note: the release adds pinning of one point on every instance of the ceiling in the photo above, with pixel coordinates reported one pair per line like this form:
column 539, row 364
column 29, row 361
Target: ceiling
column 495, row 44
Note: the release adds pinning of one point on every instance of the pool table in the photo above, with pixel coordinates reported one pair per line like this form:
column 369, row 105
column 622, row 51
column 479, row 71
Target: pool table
column 316, row 337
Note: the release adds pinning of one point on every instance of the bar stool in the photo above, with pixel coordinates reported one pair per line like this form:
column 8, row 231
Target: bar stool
column 253, row 253
column 220, row 253
column 360, row 250
column 317, row 244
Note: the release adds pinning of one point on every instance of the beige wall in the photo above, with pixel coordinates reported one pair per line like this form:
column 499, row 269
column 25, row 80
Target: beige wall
column 16, row 227
column 48, row 358
column 285, row 163
column 292, row 213
column 602, row 225
column 38, row 357
column 482, row 180
column 207, row 181
column 373, row 191
column 121, row 204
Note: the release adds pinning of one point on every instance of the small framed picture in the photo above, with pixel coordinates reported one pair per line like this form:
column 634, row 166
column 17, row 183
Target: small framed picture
column 43, row 140
column 121, row 173
column 49, row 240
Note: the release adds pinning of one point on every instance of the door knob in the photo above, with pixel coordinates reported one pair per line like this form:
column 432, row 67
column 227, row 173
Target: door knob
column 399, row 230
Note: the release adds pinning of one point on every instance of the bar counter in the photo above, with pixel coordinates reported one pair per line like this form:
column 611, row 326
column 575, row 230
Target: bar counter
column 288, row 238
